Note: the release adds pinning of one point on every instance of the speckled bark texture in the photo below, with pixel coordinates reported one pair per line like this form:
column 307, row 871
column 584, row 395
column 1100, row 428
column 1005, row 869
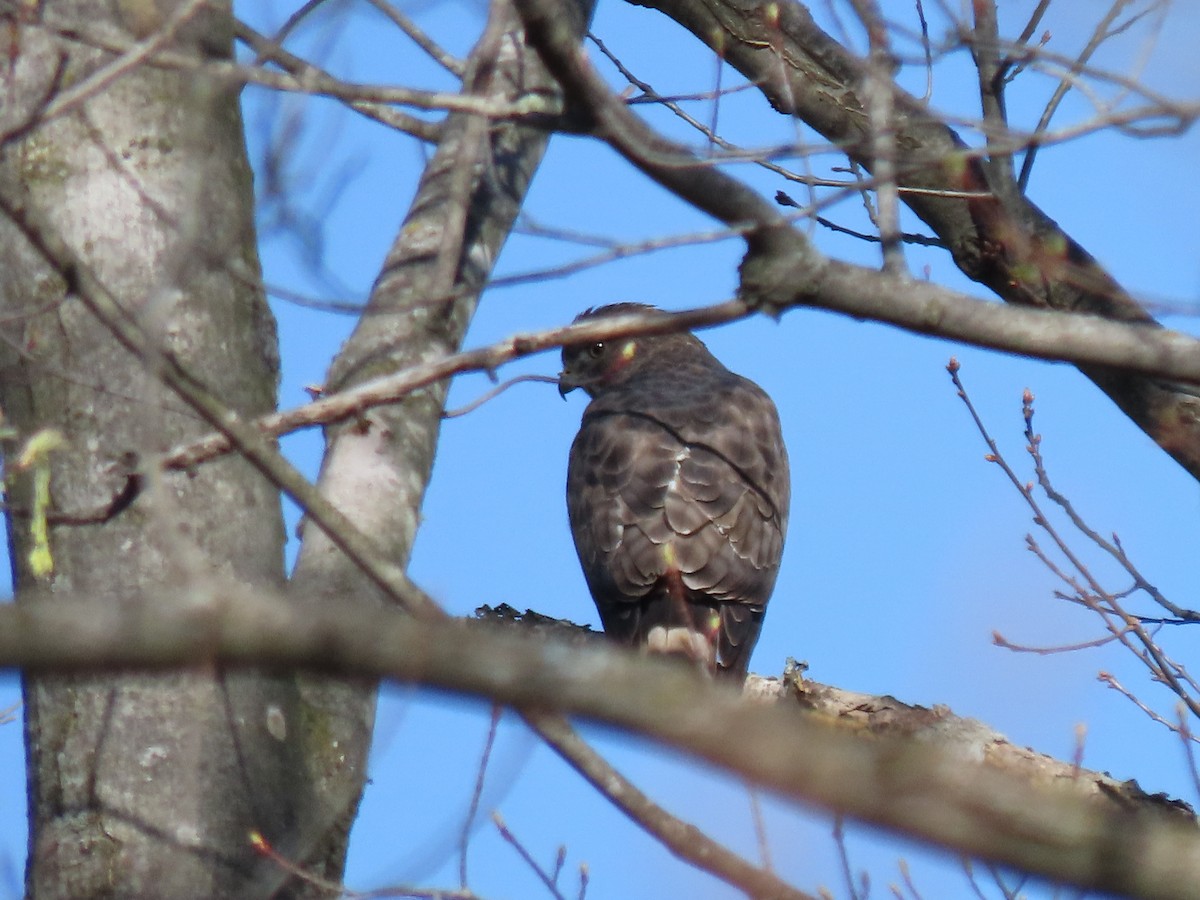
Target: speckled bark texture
column 147, row 786
column 143, row 785
column 376, row 468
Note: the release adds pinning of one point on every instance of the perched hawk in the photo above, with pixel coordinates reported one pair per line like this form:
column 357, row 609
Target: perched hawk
column 677, row 492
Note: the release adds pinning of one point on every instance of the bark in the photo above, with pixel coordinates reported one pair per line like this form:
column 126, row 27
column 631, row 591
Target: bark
column 377, row 465
column 142, row 785
column 1001, row 239
column 375, row 469
column 925, row 773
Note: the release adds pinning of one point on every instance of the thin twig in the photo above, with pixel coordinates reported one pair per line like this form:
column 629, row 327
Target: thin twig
column 928, row 50
column 1099, row 34
column 1188, row 740
column 1001, row 641
column 839, row 841
column 263, row 848
column 878, row 99
column 401, row 20
column 1109, row 679
column 127, row 61
column 969, row 871
column 494, row 392
column 906, row 877
column 1124, row 627
column 303, row 71
column 760, row 827
column 650, row 95
column 473, row 809
column 513, row 841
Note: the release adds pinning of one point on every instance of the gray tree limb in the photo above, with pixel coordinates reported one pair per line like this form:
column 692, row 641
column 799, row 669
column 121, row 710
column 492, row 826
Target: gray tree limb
column 996, row 235
column 923, row 773
column 142, row 785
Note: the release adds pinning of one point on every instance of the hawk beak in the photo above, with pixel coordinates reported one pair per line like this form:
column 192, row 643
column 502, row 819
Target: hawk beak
column 566, row 383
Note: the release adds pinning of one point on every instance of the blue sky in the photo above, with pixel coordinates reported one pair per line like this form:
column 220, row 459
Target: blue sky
column 906, row 549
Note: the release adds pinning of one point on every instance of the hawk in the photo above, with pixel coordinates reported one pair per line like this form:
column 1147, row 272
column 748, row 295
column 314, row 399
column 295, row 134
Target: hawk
column 677, row 493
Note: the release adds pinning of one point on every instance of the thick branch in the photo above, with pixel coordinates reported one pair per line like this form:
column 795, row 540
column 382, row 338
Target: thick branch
column 1001, row 239
column 941, row 789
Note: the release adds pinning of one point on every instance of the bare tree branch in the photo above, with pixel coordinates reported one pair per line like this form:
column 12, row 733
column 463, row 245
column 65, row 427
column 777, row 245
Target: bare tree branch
column 1004, row 242
column 1055, row 820
column 304, row 71
column 861, row 293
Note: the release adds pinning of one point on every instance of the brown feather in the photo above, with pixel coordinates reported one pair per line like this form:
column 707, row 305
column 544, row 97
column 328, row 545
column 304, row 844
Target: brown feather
column 677, row 493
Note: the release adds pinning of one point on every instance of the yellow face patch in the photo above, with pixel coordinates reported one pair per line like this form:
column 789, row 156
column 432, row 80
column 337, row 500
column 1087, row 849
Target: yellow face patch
column 628, row 350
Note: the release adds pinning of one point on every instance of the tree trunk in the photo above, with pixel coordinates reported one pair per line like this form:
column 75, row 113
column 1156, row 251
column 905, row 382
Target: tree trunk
column 147, row 785
column 142, row 785
column 376, row 468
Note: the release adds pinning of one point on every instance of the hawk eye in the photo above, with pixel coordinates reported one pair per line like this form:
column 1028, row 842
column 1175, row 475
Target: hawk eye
column 596, row 350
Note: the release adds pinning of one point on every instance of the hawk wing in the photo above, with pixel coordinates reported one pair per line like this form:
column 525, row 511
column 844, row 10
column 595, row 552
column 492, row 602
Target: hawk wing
column 678, row 510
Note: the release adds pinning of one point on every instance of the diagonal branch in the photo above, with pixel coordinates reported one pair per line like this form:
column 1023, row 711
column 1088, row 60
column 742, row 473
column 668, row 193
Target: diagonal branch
column 1009, row 245
column 1043, row 334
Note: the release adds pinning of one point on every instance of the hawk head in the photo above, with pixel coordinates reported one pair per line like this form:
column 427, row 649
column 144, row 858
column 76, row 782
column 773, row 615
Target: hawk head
column 598, row 365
